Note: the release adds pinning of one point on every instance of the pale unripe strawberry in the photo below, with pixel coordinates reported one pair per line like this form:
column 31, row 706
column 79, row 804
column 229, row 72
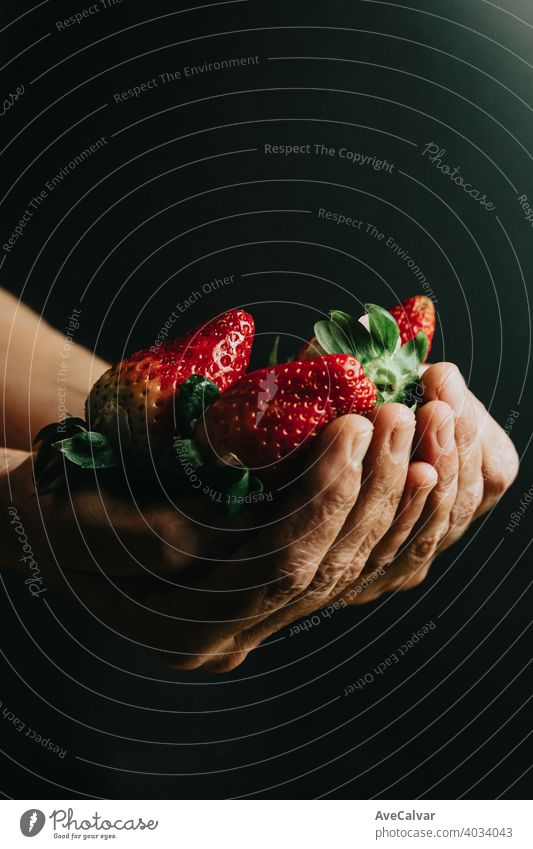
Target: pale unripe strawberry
column 133, row 403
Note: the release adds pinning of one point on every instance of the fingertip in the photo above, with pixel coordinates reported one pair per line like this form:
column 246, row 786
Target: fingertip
column 444, row 381
column 351, row 430
column 434, row 413
column 341, row 446
column 392, row 415
column 422, row 477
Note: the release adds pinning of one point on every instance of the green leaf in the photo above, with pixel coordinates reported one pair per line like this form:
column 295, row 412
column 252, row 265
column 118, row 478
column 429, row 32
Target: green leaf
column 384, row 329
column 89, row 450
column 332, row 339
column 227, row 485
column 419, row 345
column 236, row 492
column 357, row 334
column 273, row 356
column 196, row 394
column 179, row 460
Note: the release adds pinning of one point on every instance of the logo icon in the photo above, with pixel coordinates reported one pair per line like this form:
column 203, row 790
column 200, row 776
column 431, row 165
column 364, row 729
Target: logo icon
column 269, row 388
column 32, row 822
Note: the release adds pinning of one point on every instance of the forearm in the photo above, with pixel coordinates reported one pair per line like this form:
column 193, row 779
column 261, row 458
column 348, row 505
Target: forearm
column 42, row 374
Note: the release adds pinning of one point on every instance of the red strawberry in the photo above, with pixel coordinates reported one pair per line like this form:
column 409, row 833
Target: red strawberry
column 267, row 416
column 391, row 359
column 133, row 402
column 415, row 314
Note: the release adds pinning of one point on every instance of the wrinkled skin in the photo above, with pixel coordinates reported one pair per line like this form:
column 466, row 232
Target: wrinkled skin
column 380, row 499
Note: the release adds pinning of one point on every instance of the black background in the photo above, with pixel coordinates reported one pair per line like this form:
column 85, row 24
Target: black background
column 183, row 193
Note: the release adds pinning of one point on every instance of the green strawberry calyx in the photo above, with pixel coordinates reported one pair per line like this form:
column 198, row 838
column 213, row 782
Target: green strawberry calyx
column 70, row 441
column 393, row 368
column 225, row 480
column 180, row 467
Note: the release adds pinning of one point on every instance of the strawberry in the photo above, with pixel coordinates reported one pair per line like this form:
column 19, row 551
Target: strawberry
column 415, row 314
column 133, row 403
column 269, row 416
column 390, row 361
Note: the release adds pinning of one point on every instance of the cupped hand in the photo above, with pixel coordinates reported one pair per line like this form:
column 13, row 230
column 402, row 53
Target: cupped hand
column 312, row 548
column 474, row 461
column 193, row 596
column 196, row 596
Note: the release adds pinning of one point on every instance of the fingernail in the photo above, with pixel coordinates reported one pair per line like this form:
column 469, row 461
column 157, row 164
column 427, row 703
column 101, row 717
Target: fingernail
column 446, row 434
column 401, row 441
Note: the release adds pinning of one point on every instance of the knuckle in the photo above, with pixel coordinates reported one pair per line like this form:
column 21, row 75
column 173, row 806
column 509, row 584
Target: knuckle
column 422, row 548
column 501, row 468
column 339, row 495
column 403, row 526
column 498, row 482
column 383, row 490
column 288, row 583
column 497, row 486
column 447, row 486
column 351, row 574
column 381, row 561
column 327, row 577
column 466, row 434
column 465, row 507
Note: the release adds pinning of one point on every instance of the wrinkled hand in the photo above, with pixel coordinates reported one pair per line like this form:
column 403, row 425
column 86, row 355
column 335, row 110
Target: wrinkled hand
column 196, row 596
column 475, row 463
column 166, row 581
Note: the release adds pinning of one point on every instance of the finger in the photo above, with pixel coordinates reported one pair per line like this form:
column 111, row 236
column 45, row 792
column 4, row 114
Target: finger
column 195, row 625
column 444, row 382
column 435, row 444
column 500, row 461
column 384, row 473
column 384, row 470
column 421, row 479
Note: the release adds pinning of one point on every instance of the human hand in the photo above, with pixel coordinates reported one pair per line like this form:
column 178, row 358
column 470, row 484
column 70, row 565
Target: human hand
column 475, row 463
column 192, row 608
